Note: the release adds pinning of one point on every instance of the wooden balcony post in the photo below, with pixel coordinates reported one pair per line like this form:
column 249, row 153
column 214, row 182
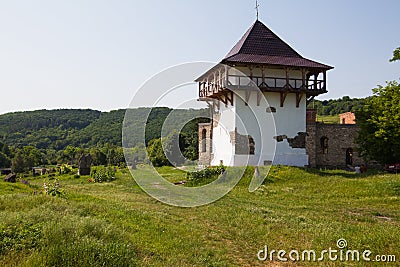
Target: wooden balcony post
column 287, row 77
column 316, row 81
column 263, row 76
column 251, row 75
column 324, row 86
column 227, row 75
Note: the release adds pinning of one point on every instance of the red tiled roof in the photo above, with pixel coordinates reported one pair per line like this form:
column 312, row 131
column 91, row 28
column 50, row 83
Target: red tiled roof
column 260, row 45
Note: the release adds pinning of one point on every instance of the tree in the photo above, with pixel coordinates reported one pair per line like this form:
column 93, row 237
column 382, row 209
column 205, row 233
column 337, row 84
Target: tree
column 136, row 154
column 172, row 148
column 5, row 155
column 32, row 157
column 5, row 161
column 379, row 122
column 156, row 153
column 396, row 55
column 18, row 163
column 71, row 154
column 99, row 158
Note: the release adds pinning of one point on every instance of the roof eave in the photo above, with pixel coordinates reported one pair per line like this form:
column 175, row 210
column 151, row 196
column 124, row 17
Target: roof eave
column 323, row 66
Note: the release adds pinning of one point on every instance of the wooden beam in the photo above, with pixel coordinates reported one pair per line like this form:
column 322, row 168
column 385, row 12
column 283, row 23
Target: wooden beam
column 247, row 94
column 231, row 97
column 222, row 99
column 316, row 81
column 259, row 95
column 283, row 97
column 303, row 78
column 263, row 81
column 299, row 96
column 227, row 75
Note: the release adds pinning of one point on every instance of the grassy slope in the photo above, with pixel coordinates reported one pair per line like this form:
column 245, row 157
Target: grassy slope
column 117, row 224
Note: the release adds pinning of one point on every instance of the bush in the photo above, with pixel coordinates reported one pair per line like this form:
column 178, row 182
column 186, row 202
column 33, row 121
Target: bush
column 53, row 189
column 204, row 176
column 103, row 174
column 65, row 169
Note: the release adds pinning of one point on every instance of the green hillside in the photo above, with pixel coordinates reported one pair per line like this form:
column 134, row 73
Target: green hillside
column 56, row 129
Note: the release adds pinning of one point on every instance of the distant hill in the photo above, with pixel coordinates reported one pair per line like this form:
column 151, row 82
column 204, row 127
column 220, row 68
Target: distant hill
column 56, row 129
column 337, row 106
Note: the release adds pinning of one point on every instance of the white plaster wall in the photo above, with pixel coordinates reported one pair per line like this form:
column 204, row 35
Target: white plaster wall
column 255, row 121
column 222, row 146
column 289, row 121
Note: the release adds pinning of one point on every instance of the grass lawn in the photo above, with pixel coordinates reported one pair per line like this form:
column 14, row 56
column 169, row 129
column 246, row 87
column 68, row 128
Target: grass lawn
column 117, row 224
column 329, row 119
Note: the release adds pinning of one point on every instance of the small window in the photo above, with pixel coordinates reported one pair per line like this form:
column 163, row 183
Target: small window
column 204, row 140
column 349, row 156
column 324, row 145
column 267, row 162
column 252, row 146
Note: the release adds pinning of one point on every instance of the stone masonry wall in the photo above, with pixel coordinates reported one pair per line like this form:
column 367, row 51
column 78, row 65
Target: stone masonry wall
column 332, row 153
column 347, row 118
column 205, row 154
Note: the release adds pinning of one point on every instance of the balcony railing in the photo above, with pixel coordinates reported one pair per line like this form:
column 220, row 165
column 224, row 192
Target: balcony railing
column 215, row 86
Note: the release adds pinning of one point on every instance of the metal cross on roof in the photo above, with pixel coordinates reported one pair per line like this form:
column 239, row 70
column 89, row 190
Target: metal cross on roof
column 257, row 5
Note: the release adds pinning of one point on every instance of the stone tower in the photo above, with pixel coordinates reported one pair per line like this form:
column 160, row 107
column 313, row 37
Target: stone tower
column 285, row 79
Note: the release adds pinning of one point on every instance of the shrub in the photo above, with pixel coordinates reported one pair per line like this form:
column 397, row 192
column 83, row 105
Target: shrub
column 103, row 174
column 65, row 169
column 204, row 176
column 53, row 189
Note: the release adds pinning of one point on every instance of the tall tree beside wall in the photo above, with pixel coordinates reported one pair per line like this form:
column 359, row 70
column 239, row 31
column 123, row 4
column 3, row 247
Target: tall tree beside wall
column 379, row 122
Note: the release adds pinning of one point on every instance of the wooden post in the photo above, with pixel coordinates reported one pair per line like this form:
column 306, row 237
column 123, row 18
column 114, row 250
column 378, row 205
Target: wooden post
column 283, row 97
column 247, row 97
column 315, row 81
column 287, row 77
column 263, row 76
column 251, row 76
column 324, row 87
column 227, row 75
column 299, row 96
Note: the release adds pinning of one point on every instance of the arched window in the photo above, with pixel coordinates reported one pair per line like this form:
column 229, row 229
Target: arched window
column 252, row 146
column 324, row 145
column 204, row 140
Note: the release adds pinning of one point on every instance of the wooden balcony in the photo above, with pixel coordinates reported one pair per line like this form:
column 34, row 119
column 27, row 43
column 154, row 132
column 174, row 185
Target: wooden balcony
column 215, row 87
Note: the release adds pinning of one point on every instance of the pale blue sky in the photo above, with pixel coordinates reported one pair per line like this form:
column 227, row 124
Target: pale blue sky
column 95, row 54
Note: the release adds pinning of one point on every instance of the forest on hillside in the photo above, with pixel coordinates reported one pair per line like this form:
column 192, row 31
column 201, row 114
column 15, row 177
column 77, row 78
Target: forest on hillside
column 57, row 129
column 48, row 137
column 337, row 106
column 57, row 136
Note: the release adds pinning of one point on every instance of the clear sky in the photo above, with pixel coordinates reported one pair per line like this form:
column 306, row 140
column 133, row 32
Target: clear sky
column 97, row 53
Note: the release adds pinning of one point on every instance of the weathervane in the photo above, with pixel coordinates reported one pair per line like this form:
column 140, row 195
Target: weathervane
column 257, row 5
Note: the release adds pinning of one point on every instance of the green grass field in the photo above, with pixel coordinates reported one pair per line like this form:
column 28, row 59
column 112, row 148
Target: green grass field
column 117, row 224
column 329, row 119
